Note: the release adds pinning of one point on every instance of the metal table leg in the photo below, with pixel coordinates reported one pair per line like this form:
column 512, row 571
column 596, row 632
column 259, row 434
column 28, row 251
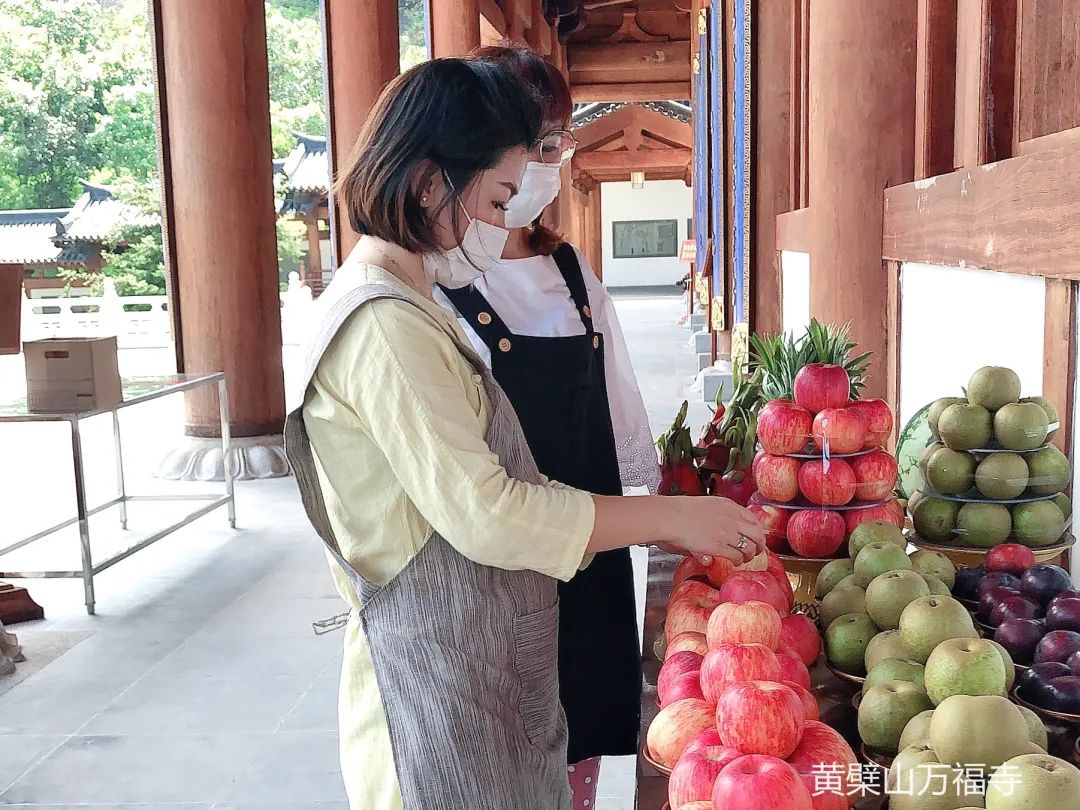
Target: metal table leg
column 121, row 490
column 84, row 518
column 223, row 406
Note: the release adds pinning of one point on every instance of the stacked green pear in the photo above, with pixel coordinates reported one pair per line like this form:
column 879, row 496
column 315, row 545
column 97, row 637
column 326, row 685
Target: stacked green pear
column 992, row 461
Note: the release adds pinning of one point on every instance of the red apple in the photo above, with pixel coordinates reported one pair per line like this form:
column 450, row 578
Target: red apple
column 718, row 570
column 875, row 476
column 706, row 739
column 819, row 386
column 839, row 430
column 761, row 717
column 676, row 664
column 774, row 521
column 879, row 420
column 799, row 636
column 793, row 669
column 689, row 608
column 823, row 751
column 775, row 568
column 783, row 427
column 778, row 478
column 693, row 778
column 816, row 533
column 688, row 568
column 675, row 726
column 754, row 782
column 827, row 483
column 758, row 456
column 755, row 586
column 826, row 797
column 737, row 663
column 1011, row 558
column 686, row 642
column 687, row 685
column 744, row 623
column 809, row 702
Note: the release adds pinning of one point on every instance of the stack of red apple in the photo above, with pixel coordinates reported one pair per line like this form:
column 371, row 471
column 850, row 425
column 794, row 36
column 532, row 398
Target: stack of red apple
column 821, row 470
column 738, row 725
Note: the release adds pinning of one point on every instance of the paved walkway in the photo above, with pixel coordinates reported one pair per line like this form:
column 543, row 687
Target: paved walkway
column 199, row 684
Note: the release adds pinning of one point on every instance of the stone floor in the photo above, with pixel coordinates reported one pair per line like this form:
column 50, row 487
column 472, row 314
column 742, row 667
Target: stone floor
column 199, row 683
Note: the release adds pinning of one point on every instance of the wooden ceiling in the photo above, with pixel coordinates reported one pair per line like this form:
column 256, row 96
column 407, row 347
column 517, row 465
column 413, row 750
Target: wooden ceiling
column 633, row 138
column 613, row 50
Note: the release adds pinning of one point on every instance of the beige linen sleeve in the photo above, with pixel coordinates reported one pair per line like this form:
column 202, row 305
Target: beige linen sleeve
column 401, row 374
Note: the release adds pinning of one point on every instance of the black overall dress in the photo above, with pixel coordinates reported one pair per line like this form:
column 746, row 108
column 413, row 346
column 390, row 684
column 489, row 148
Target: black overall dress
column 558, row 388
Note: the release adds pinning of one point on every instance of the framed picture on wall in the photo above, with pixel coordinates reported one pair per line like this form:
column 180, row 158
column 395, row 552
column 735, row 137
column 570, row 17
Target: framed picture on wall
column 645, row 239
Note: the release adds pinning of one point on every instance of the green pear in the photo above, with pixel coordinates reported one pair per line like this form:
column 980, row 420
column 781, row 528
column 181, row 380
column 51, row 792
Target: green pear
column 883, row 646
column 930, row 620
column 935, row 519
column 895, row 669
column 1021, row 426
column 1010, row 667
column 984, row 730
column 951, row 472
column 1036, row 728
column 936, row 586
column 964, row 666
column 917, row 730
column 885, row 710
column 993, row 387
column 874, row 531
column 840, row 601
column 846, row 640
column 937, row 408
column 889, row 593
column 1052, row 415
column 934, row 564
column 1034, row 782
column 832, row 574
column 879, row 558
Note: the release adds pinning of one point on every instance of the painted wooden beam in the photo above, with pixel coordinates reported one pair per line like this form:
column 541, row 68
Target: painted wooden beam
column 1059, row 355
column 793, row 231
column 11, row 297
column 1017, row 216
column 629, row 62
column 644, row 160
column 630, row 91
column 493, row 16
column 985, row 81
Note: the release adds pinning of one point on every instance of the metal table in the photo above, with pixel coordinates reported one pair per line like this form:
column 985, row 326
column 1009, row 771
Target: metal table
column 136, row 391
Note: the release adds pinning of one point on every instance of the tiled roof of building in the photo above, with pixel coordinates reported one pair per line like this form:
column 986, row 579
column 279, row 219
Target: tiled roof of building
column 26, row 236
column 587, row 113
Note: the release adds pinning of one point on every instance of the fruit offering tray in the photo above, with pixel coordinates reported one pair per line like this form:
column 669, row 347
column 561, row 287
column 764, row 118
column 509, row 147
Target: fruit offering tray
column 801, row 504
column 972, row 556
column 974, row 496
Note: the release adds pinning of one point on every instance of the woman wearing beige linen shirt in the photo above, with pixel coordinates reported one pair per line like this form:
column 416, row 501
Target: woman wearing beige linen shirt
column 442, row 535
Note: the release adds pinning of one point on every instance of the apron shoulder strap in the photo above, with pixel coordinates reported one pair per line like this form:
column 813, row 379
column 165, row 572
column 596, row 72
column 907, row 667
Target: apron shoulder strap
column 566, row 258
column 478, row 313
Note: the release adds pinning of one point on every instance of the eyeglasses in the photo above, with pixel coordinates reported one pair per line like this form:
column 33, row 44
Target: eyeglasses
column 557, row 147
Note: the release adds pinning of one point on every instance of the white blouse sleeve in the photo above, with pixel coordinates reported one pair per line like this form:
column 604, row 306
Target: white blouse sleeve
column 634, row 445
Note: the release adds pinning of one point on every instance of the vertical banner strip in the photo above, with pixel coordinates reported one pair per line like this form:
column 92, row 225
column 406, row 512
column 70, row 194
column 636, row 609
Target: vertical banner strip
column 701, row 139
column 716, row 154
column 741, row 151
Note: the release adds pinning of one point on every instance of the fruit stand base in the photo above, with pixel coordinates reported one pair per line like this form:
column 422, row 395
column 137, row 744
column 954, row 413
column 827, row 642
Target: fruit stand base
column 833, row 695
column 17, row 606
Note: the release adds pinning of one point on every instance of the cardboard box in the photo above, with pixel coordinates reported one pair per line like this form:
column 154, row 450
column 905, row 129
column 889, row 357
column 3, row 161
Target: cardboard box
column 11, row 298
column 69, row 375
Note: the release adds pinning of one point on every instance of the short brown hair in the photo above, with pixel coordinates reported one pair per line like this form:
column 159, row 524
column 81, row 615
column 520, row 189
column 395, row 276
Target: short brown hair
column 461, row 115
column 556, row 106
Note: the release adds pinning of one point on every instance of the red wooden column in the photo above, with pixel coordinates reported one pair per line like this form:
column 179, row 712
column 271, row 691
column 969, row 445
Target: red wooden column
column 455, row 27
column 862, row 136
column 362, row 55
column 219, row 218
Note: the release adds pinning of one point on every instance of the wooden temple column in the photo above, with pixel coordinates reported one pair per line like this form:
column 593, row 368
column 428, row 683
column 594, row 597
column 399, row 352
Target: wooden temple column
column 219, row 221
column 362, row 55
column 455, row 27
column 862, row 136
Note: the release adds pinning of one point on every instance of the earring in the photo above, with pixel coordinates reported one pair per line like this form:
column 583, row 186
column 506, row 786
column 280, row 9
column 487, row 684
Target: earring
column 423, row 200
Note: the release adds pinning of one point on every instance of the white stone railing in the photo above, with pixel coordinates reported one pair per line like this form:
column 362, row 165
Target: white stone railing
column 138, row 321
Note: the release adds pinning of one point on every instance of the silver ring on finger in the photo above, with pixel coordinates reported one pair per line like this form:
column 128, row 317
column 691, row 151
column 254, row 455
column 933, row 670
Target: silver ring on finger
column 743, row 543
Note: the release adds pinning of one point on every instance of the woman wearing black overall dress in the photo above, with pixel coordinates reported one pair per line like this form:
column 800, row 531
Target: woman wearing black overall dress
column 549, row 331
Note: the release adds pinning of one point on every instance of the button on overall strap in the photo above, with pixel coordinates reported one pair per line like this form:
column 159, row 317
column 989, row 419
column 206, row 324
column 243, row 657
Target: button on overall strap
column 566, row 258
column 479, row 314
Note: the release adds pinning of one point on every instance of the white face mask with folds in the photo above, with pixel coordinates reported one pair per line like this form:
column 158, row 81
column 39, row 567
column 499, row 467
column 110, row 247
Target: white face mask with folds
column 481, row 249
column 539, row 186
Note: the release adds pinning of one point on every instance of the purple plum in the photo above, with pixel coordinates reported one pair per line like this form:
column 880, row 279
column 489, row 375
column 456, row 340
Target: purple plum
column 1063, row 614
column 1020, row 637
column 1033, row 684
column 992, row 597
column 1043, row 582
column 1015, row 607
column 967, row 583
column 1063, row 694
column 997, row 578
column 1057, row 645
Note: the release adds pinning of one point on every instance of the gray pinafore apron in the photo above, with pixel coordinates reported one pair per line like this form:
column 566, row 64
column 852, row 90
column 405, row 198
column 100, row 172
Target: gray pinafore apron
column 465, row 655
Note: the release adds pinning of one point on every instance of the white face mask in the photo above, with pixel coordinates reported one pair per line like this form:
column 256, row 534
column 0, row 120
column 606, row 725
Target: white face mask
column 481, row 249
column 539, row 186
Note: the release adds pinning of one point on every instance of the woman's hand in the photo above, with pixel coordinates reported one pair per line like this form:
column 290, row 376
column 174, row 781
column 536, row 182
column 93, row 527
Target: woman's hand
column 714, row 527
column 705, row 526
